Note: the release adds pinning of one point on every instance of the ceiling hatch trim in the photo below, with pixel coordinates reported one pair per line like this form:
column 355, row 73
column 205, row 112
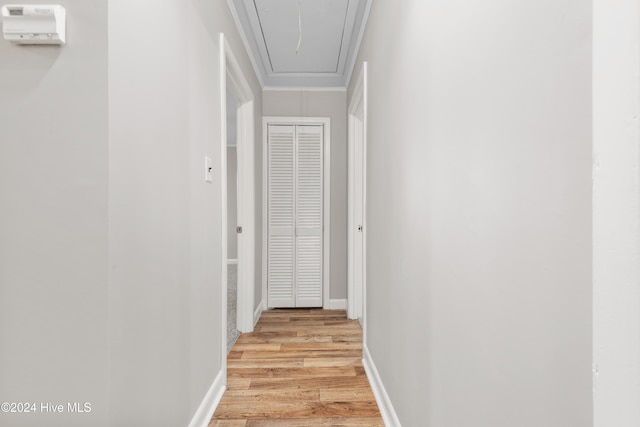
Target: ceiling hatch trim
column 331, row 34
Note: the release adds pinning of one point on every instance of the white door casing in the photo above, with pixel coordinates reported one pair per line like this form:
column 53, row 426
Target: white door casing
column 358, row 216
column 231, row 76
column 357, row 234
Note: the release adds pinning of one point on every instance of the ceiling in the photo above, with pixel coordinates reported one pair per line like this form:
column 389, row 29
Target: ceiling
column 301, row 43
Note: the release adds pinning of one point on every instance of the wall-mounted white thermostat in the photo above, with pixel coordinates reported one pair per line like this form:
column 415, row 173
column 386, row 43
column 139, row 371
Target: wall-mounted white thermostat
column 34, row 24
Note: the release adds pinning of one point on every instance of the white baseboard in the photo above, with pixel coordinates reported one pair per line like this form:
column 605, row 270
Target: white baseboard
column 389, row 415
column 232, row 261
column 207, row 407
column 258, row 313
column 337, row 304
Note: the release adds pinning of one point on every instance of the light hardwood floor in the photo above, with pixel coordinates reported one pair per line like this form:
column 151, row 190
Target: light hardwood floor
column 300, row 367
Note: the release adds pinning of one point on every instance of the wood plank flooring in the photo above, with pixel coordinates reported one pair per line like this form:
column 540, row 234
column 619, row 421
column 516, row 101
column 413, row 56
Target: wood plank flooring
column 300, row 367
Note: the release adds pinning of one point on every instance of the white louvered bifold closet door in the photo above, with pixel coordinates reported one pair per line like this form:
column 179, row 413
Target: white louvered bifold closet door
column 294, row 263
column 281, row 245
column 309, row 216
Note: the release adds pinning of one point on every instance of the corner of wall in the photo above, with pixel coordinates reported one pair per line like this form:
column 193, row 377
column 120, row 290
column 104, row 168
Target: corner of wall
column 209, row 403
column 387, row 411
column 258, row 312
column 337, row 304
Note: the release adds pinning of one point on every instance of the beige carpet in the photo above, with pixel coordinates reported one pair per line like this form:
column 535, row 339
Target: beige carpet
column 232, row 305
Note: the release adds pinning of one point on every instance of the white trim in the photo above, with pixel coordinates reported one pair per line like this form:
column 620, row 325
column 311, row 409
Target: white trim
column 246, row 216
column 358, row 102
column 223, row 201
column 304, row 89
column 232, row 261
column 326, row 230
column 290, row 120
column 337, row 304
column 326, row 185
column 208, row 406
column 616, row 213
column 245, row 41
column 387, row 411
column 365, row 232
column 350, row 220
column 233, row 77
column 257, row 313
column 229, row 67
column 264, row 216
column 356, row 46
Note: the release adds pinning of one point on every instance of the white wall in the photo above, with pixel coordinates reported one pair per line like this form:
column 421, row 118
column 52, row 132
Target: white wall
column 54, row 223
column 616, row 216
column 110, row 254
column 479, row 215
column 332, row 104
column 150, row 211
column 165, row 221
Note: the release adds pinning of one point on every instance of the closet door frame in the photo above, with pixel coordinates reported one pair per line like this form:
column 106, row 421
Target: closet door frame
column 326, row 199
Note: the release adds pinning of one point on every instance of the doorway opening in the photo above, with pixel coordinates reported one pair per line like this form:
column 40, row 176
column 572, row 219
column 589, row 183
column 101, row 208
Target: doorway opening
column 232, row 220
column 357, row 192
column 234, row 83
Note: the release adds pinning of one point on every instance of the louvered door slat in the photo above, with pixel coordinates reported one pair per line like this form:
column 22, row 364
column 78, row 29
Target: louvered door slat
column 281, row 211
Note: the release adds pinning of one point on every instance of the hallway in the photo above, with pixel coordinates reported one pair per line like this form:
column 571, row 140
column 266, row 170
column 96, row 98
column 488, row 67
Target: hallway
column 301, row 367
column 480, row 199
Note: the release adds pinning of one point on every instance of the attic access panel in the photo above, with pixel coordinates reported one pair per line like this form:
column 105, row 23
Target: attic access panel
column 323, row 26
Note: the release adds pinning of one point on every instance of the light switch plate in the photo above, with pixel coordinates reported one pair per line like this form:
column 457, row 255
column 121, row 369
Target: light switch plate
column 208, row 169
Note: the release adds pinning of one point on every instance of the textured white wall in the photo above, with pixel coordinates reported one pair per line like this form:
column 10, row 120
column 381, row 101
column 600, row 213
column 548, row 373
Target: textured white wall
column 54, row 223
column 165, row 221
column 616, row 217
column 479, row 216
column 333, row 105
column 149, row 217
column 109, row 237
